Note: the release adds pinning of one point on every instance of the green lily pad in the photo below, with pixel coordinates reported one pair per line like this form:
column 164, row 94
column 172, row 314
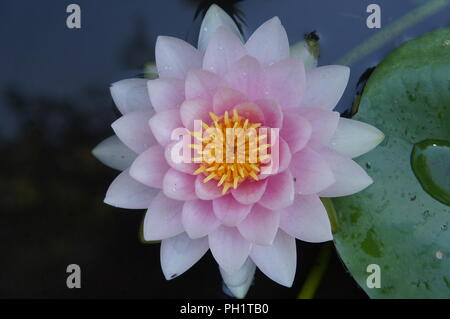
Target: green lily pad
column 401, row 221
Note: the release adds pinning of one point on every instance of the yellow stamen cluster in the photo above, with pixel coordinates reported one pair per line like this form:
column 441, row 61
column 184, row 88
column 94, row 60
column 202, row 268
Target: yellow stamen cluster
column 231, row 150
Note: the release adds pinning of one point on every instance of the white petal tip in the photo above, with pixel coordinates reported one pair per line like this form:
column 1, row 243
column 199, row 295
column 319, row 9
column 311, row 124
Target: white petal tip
column 113, row 153
column 354, row 138
column 238, row 292
column 237, row 284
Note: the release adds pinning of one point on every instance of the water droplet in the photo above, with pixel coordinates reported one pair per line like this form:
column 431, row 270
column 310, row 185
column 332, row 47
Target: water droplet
column 430, row 162
column 444, row 227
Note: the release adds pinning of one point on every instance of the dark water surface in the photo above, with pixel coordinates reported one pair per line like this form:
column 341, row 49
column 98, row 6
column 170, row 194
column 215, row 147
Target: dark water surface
column 55, row 107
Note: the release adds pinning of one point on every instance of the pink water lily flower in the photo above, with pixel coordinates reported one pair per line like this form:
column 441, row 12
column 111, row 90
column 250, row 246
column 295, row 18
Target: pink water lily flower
column 246, row 218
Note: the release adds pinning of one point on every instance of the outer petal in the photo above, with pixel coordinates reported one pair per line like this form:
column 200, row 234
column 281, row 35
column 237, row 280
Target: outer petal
column 285, row 82
column 249, row 192
column 306, row 220
column 269, row 43
column 325, row 86
column 179, row 186
column 353, row 138
column 229, row 211
column 131, row 95
column 323, row 124
column 224, row 49
column 149, row 168
column 208, row 190
column 198, row 218
column 125, row 192
column 260, row 226
column 175, row 57
column 202, row 84
column 229, row 248
column 214, row 18
column 132, row 129
column 311, row 172
column 279, row 192
column 163, row 218
column 246, row 75
column 195, row 109
column 163, row 124
column 166, row 93
column 278, row 261
column 296, row 132
column 113, row 153
column 303, row 51
column 350, row 177
column 239, row 282
column 226, row 99
column 180, row 253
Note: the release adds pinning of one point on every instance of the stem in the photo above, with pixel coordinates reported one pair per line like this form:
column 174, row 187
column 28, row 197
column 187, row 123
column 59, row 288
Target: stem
column 391, row 31
column 316, row 273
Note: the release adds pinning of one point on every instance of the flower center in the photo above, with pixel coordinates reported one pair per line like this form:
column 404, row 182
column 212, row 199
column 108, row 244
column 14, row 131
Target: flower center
column 230, row 150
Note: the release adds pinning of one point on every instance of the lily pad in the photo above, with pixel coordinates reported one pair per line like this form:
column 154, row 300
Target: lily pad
column 401, row 221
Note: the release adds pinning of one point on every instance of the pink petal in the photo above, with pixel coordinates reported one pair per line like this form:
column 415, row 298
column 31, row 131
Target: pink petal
column 166, row 93
column 250, row 111
column 226, row 99
column 224, row 49
column 208, row 190
column 163, row 218
column 306, row 219
column 285, row 82
column 350, row 177
column 174, row 57
column 325, row 86
column 179, row 186
column 284, row 156
column 149, row 167
column 279, row 191
column 174, row 151
column 246, row 75
column 229, row 248
column 163, row 125
column 323, row 124
column 273, row 117
column 132, row 129
column 260, row 226
column 202, row 84
column 198, row 218
column 311, row 172
column 125, row 192
column 278, row 261
column 195, row 109
column 229, row 211
column 180, row 253
column 249, row 192
column 296, row 132
column 269, row 43
column 131, row 95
